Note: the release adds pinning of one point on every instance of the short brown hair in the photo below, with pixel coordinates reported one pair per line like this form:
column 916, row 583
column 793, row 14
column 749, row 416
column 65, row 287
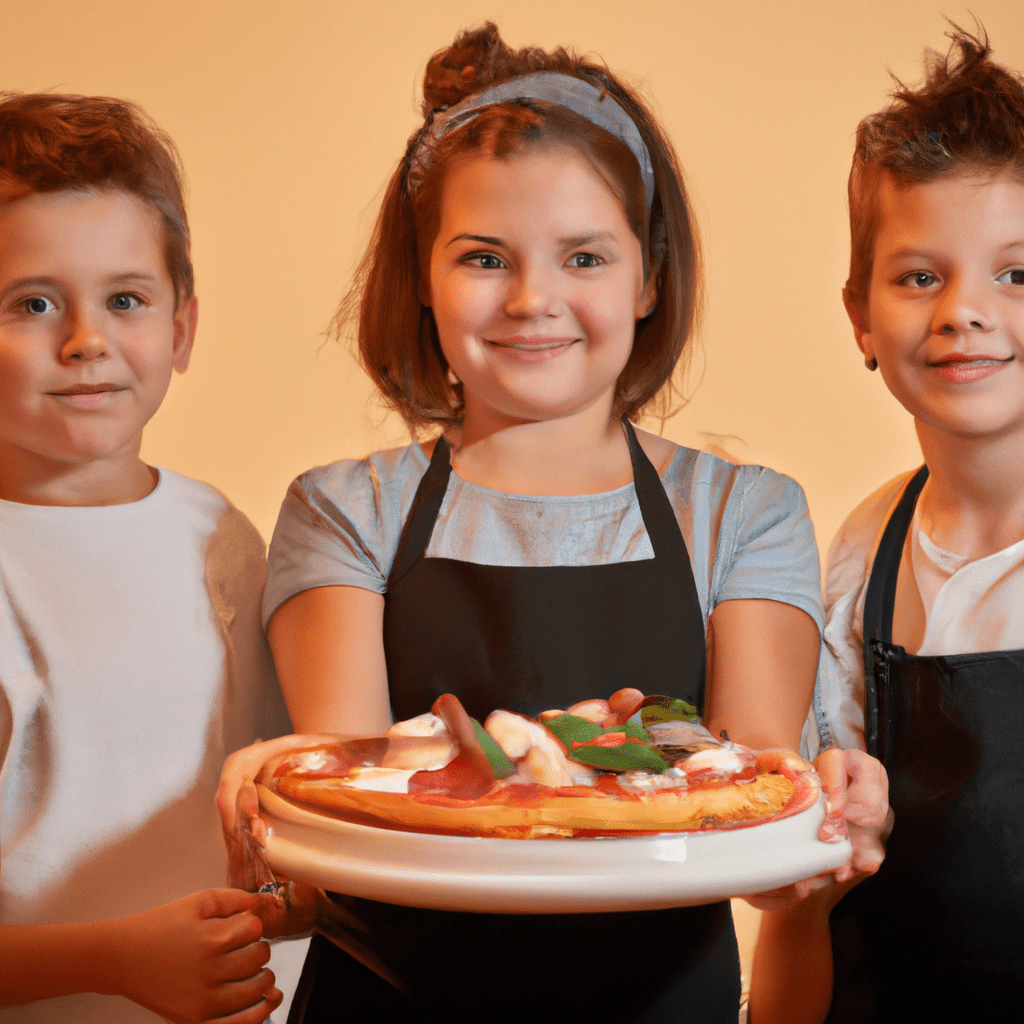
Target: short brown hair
column 398, row 340
column 968, row 114
column 54, row 143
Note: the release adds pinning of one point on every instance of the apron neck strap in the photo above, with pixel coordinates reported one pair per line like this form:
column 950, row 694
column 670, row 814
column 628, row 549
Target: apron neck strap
column 881, row 598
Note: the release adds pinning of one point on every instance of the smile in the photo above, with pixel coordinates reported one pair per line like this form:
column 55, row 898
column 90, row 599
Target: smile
column 86, row 396
column 961, row 368
column 532, row 350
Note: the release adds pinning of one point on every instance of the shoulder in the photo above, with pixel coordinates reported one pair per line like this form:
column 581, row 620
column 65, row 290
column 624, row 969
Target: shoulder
column 721, row 488
column 208, row 511
column 376, row 479
column 748, row 531
column 853, row 547
column 839, row 698
column 340, row 524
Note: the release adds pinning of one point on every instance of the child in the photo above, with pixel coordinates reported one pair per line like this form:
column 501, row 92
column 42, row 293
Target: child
column 925, row 578
column 533, row 281
column 131, row 659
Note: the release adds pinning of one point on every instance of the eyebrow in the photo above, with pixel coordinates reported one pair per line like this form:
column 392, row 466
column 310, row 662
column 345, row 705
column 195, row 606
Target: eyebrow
column 570, row 242
column 44, row 281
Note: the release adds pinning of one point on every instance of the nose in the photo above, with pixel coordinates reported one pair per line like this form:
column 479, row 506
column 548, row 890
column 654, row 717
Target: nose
column 962, row 309
column 85, row 344
column 531, row 294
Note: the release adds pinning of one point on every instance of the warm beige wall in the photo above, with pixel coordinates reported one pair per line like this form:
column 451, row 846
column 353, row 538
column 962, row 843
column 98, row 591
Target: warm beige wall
column 291, row 115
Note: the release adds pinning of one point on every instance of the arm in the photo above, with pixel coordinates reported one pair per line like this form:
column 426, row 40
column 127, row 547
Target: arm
column 791, row 980
column 762, row 659
column 189, row 961
column 328, row 646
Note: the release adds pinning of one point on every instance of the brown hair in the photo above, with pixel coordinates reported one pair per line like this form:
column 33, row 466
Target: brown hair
column 55, row 143
column 968, row 115
column 398, row 340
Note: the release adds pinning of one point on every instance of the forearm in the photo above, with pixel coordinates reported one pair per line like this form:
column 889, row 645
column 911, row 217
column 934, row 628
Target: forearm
column 791, row 979
column 44, row 961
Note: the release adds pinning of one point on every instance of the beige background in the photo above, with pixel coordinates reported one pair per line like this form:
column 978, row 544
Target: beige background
column 291, row 115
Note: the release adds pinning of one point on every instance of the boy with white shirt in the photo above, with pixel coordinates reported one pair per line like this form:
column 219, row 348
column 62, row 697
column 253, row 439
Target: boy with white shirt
column 923, row 663
column 131, row 655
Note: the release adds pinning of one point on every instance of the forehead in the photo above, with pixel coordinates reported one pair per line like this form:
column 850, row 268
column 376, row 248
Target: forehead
column 74, row 230
column 967, row 209
column 555, row 185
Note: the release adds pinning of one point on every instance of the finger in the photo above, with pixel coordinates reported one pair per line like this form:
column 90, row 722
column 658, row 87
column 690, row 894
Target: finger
column 868, row 789
column 243, row 962
column 255, row 1014
column 251, row 999
column 831, row 768
column 227, row 902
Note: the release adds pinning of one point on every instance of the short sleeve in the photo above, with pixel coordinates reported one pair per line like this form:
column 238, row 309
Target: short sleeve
column 766, row 548
column 839, row 695
column 340, row 525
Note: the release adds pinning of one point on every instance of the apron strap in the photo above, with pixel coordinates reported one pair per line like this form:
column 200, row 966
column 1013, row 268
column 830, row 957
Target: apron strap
column 423, row 514
column 655, row 508
column 881, row 598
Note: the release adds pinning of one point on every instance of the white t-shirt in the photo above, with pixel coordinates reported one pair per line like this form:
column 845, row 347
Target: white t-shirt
column 970, row 607
column 131, row 662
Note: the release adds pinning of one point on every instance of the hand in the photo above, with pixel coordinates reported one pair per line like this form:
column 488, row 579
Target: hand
column 860, row 784
column 245, row 836
column 857, row 801
column 197, row 959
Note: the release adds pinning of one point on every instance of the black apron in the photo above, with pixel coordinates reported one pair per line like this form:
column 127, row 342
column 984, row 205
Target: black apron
column 529, row 639
column 938, row 933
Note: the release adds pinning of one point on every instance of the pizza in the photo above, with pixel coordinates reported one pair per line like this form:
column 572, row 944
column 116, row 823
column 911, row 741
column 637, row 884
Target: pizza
column 629, row 765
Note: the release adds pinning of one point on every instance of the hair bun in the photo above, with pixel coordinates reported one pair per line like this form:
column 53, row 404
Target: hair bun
column 462, row 68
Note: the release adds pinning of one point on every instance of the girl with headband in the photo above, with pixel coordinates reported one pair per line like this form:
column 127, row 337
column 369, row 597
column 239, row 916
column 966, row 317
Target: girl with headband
column 532, row 283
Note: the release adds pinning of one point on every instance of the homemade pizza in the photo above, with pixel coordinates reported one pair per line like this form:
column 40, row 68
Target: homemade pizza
column 629, row 766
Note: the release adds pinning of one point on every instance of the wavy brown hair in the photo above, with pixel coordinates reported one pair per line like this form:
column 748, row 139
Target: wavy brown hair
column 967, row 116
column 397, row 337
column 54, row 143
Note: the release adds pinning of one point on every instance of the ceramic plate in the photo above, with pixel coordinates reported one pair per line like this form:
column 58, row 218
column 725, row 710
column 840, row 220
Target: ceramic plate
column 537, row 876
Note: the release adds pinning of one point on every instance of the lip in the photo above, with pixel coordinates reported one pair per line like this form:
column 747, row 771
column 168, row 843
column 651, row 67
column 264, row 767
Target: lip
column 965, row 367
column 532, row 348
column 86, row 396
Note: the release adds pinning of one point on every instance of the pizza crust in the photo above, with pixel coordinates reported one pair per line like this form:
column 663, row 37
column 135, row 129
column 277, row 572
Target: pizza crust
column 523, row 810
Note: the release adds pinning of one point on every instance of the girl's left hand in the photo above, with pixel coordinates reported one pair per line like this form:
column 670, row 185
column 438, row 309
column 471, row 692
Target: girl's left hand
column 245, row 835
column 857, row 790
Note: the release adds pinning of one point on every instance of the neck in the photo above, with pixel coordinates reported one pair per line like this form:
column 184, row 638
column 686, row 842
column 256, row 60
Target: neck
column 973, row 503
column 583, row 454
column 100, row 482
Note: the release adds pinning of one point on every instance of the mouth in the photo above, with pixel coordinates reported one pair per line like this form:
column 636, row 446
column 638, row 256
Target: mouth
column 86, row 396
column 964, row 367
column 535, row 349
column 85, row 389
column 531, row 344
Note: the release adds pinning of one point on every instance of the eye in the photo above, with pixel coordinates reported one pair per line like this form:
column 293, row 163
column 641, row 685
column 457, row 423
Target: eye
column 919, row 279
column 38, row 304
column 584, row 260
column 1014, row 276
column 123, row 301
column 484, row 260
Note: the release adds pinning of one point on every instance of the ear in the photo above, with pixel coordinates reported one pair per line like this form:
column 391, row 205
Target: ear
column 186, row 319
column 857, row 311
column 648, row 298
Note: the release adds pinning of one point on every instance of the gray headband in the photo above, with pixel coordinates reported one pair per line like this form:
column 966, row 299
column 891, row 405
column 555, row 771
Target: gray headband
column 596, row 105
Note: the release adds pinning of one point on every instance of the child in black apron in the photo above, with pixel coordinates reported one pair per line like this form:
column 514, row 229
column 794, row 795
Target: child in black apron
column 530, row 288
column 924, row 666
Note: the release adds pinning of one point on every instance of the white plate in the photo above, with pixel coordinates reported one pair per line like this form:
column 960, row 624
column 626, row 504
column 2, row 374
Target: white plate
column 538, row 876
